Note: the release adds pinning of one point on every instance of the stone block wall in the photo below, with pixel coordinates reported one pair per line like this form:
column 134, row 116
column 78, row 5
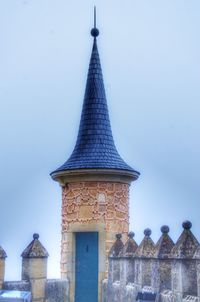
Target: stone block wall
column 171, row 271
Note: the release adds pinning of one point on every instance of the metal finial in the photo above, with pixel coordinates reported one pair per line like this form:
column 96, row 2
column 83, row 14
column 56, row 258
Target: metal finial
column 131, row 235
column 95, row 31
column 147, row 232
column 187, row 225
column 36, row 236
column 164, row 229
column 118, row 236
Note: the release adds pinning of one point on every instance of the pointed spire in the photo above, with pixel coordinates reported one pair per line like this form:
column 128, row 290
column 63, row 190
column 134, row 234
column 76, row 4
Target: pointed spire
column 146, row 249
column 187, row 244
column 117, row 247
column 130, row 246
column 164, row 244
column 35, row 249
column 95, row 148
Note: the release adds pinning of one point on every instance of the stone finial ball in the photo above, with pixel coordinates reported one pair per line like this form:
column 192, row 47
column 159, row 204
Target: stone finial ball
column 36, row 236
column 147, row 232
column 95, row 32
column 187, row 225
column 118, row 236
column 164, row 229
column 131, row 235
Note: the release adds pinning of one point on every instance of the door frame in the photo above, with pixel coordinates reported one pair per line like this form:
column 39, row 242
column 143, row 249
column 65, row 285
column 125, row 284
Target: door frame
column 92, row 238
column 71, row 238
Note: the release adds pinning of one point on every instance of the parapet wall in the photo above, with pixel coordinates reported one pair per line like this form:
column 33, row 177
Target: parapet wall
column 170, row 271
column 34, row 275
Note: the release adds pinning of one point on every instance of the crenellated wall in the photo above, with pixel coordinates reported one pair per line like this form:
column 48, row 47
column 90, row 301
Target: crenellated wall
column 168, row 271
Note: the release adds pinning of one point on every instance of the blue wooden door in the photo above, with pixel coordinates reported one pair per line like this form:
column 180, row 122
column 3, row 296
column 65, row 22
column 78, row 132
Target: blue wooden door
column 86, row 265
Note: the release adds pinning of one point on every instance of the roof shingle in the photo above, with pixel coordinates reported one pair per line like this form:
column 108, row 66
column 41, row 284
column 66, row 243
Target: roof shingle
column 95, row 148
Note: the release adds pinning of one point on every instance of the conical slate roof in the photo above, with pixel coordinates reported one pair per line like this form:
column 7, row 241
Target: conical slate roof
column 95, row 148
column 35, row 249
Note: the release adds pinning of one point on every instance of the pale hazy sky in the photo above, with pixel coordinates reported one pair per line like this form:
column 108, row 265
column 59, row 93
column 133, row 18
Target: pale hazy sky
column 149, row 52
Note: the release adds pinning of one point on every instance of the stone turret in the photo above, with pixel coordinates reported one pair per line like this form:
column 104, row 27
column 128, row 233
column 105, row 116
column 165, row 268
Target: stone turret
column 95, row 180
column 2, row 265
column 34, row 268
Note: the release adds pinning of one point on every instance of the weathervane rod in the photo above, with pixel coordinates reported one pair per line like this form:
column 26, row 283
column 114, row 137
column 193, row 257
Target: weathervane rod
column 95, row 17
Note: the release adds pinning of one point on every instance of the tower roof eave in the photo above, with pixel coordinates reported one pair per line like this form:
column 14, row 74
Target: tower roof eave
column 117, row 175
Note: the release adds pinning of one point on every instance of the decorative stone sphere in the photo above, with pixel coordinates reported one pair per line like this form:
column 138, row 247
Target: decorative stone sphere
column 131, row 235
column 147, row 232
column 164, row 229
column 95, row 32
column 36, row 236
column 118, row 236
column 187, row 225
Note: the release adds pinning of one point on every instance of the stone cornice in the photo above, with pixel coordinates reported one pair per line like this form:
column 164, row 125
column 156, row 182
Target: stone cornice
column 79, row 175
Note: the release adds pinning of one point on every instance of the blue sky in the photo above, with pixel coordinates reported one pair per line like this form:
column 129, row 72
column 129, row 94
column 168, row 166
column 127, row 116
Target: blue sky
column 150, row 58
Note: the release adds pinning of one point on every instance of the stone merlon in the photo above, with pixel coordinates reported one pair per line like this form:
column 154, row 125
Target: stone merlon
column 146, row 248
column 117, row 247
column 130, row 246
column 187, row 244
column 165, row 244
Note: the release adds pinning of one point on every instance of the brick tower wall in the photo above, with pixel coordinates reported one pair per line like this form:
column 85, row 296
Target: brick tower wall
column 94, row 203
column 92, row 206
